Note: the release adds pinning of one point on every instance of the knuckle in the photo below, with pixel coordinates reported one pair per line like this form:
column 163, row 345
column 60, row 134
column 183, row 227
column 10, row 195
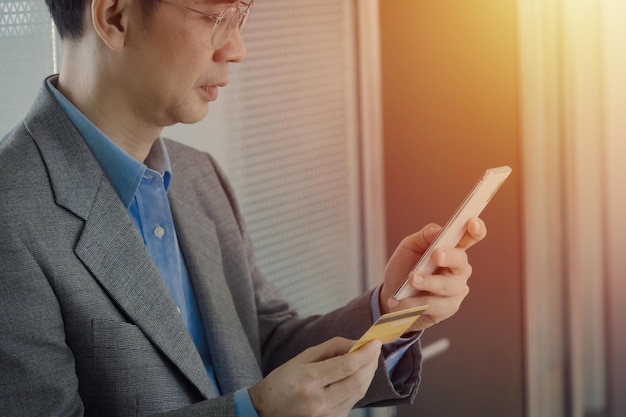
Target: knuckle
column 406, row 241
column 349, row 366
column 442, row 256
column 355, row 390
column 445, row 286
column 309, row 371
column 362, row 383
column 307, row 389
column 433, row 320
column 464, row 259
column 358, row 388
column 338, row 342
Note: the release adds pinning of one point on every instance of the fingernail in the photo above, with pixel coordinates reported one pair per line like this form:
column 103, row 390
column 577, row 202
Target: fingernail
column 443, row 256
column 418, row 279
column 476, row 225
column 393, row 302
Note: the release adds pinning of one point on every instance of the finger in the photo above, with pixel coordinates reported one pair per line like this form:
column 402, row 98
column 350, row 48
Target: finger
column 419, row 242
column 349, row 391
column 413, row 246
column 440, row 286
column 335, row 369
column 439, row 308
column 405, row 256
column 450, row 260
column 346, row 392
column 442, row 308
column 331, row 348
column 476, row 231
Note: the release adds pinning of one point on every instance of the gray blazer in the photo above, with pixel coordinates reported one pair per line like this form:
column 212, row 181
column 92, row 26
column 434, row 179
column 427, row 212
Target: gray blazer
column 87, row 326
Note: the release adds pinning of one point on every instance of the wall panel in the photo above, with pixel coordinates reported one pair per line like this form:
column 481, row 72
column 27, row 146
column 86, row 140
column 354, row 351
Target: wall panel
column 450, row 110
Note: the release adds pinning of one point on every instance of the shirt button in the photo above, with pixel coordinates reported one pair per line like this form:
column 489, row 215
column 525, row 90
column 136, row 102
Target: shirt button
column 159, row 232
column 178, row 308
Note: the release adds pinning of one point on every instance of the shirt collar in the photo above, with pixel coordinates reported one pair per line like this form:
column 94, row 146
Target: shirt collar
column 159, row 160
column 121, row 169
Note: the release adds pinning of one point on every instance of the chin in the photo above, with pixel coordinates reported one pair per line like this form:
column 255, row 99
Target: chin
column 191, row 117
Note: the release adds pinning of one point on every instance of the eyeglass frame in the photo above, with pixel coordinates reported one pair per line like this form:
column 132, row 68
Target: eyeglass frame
column 219, row 17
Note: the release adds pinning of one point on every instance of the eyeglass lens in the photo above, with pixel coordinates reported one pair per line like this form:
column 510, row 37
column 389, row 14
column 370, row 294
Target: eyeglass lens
column 231, row 19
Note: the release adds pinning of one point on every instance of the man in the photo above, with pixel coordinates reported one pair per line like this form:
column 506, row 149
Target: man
column 127, row 279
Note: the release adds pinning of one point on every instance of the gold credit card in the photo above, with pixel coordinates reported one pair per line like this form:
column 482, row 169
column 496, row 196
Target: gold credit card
column 389, row 327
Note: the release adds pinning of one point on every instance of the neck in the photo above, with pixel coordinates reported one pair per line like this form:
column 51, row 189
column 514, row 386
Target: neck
column 97, row 97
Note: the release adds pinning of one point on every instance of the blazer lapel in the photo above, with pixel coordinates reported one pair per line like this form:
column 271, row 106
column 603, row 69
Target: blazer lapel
column 233, row 360
column 110, row 246
column 115, row 254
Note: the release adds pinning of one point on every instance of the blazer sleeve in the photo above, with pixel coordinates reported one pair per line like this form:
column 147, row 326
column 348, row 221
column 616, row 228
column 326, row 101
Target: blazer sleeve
column 283, row 334
column 38, row 376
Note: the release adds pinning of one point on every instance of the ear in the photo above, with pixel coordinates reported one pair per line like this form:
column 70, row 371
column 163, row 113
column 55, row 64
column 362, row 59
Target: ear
column 110, row 20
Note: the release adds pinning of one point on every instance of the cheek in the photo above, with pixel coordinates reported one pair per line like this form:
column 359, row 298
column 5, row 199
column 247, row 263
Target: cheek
column 182, row 58
column 175, row 60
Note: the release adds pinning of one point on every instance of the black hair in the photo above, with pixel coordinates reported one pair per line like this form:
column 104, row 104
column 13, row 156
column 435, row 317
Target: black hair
column 68, row 15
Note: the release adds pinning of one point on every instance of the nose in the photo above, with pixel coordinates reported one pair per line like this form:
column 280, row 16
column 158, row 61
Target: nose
column 234, row 50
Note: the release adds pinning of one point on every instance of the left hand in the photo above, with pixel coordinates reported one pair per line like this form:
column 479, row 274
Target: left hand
column 444, row 291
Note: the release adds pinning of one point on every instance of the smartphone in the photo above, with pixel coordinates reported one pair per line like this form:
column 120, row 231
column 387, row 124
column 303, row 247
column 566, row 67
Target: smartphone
column 455, row 228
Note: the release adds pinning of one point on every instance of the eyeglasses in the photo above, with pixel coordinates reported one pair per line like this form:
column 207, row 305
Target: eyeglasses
column 229, row 20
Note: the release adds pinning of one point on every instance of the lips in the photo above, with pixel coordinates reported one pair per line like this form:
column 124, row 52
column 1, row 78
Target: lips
column 210, row 91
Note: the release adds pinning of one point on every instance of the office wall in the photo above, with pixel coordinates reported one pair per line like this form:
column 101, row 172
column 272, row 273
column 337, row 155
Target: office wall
column 28, row 53
column 615, row 149
column 572, row 86
column 450, row 110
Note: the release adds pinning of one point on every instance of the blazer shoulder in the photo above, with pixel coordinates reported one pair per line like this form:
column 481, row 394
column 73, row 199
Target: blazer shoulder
column 192, row 164
column 182, row 156
column 26, row 199
column 20, row 159
column 197, row 177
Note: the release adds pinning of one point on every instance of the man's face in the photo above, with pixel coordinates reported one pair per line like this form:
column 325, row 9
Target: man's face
column 168, row 68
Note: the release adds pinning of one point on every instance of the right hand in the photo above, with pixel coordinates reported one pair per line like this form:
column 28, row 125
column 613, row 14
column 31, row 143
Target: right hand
column 324, row 380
